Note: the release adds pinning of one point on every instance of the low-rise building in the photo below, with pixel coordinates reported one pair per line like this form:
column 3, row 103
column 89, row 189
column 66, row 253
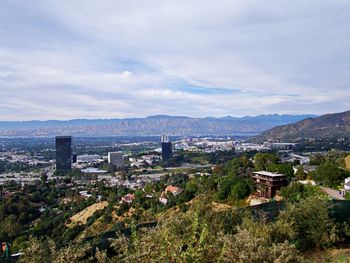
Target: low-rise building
column 93, row 170
column 346, row 188
column 173, row 189
column 307, row 182
column 127, row 199
column 268, row 183
column 85, row 194
column 280, row 145
column 163, row 199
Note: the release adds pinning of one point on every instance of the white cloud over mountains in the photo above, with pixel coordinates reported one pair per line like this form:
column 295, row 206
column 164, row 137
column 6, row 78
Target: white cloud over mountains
column 107, row 59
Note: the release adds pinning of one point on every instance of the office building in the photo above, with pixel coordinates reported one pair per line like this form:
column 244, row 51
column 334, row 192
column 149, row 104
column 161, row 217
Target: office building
column 63, row 153
column 164, row 138
column 167, row 149
column 115, row 158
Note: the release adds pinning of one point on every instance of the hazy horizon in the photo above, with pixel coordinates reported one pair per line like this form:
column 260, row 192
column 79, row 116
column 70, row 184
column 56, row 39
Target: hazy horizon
column 157, row 115
column 63, row 60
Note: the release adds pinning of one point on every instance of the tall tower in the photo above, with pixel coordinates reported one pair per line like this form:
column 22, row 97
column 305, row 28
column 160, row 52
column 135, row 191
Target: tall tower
column 167, row 149
column 63, row 153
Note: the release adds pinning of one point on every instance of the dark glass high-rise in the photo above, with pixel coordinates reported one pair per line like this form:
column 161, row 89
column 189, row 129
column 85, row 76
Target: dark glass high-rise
column 167, row 150
column 63, row 154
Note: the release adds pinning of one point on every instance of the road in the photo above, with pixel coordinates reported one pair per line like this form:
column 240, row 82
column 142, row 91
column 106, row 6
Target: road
column 333, row 193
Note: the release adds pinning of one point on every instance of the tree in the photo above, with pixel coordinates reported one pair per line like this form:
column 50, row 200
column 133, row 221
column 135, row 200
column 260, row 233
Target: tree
column 224, row 187
column 329, row 174
column 191, row 187
column 296, row 192
column 241, row 190
column 263, row 160
column 286, row 169
column 218, row 170
column 10, row 228
column 148, row 188
column 43, row 178
column 300, row 174
column 347, row 196
column 38, row 251
column 309, row 220
column 232, row 166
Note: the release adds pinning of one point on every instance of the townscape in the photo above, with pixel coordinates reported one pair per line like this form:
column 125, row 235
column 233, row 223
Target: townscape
column 67, row 192
column 174, row 131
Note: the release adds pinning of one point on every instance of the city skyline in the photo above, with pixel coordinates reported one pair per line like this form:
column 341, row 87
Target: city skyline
column 76, row 59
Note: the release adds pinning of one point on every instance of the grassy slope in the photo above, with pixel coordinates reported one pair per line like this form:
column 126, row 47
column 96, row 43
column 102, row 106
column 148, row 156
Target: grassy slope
column 347, row 162
column 82, row 216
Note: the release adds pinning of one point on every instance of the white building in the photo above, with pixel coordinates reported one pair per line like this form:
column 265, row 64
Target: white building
column 115, row 158
column 88, row 158
column 280, row 145
column 164, row 138
column 92, row 170
column 346, row 187
column 347, row 184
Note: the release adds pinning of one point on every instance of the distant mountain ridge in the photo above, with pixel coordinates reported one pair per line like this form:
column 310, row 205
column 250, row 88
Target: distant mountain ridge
column 328, row 126
column 152, row 125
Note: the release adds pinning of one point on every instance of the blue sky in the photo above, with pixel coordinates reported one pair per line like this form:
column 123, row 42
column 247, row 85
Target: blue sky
column 114, row 59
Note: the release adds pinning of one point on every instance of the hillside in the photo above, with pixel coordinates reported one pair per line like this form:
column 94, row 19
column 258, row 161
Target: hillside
column 347, row 162
column 329, row 126
column 153, row 125
column 82, row 216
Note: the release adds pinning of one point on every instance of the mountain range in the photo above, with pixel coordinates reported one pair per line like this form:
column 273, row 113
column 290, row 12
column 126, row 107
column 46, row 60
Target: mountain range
column 152, row 125
column 329, row 126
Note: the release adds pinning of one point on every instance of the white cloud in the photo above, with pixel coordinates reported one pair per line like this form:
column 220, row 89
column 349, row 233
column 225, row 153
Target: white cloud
column 110, row 59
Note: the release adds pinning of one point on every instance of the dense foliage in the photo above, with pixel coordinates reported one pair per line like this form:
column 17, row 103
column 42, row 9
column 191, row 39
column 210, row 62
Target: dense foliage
column 209, row 221
column 205, row 235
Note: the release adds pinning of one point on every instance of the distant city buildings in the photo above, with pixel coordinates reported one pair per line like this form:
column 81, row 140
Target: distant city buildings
column 63, row 153
column 280, row 145
column 115, row 158
column 167, row 148
column 93, row 170
column 89, row 158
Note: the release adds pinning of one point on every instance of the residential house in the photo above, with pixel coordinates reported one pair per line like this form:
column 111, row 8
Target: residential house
column 127, row 199
column 268, row 184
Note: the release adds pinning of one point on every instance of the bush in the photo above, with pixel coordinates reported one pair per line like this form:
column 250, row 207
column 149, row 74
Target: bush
column 297, row 191
column 310, row 222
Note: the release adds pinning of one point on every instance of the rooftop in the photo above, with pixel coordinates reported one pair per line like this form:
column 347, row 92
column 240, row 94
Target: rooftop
column 283, row 143
column 269, row 174
column 173, row 189
column 63, row 137
column 92, row 170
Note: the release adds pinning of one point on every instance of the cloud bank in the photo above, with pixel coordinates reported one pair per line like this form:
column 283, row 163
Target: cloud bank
column 114, row 59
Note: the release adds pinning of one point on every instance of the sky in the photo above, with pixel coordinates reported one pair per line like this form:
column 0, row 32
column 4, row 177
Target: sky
column 67, row 59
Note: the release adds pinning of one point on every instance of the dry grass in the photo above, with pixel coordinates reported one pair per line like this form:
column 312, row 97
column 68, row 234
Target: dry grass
column 82, row 216
column 331, row 255
column 218, row 207
column 347, row 162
